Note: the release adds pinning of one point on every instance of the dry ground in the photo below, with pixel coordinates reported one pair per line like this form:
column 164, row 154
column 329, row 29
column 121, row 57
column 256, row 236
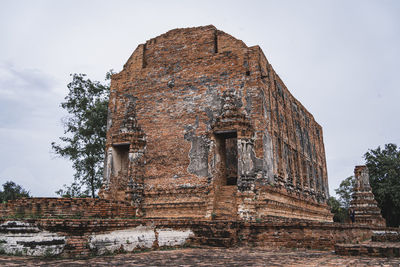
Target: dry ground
column 212, row 257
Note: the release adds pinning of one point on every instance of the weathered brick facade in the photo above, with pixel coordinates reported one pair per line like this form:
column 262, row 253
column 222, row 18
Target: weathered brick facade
column 384, row 243
column 66, row 208
column 76, row 236
column 201, row 126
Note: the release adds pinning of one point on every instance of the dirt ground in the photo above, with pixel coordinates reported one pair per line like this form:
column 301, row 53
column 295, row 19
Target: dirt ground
column 211, row 257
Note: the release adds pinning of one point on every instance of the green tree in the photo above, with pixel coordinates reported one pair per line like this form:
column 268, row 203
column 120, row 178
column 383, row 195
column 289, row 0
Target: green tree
column 85, row 133
column 12, row 191
column 384, row 170
column 345, row 190
column 340, row 214
column 72, row 190
column 340, row 207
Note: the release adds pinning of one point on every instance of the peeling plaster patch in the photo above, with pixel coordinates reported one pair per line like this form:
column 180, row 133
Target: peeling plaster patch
column 198, row 155
column 190, row 130
column 266, row 108
column 385, row 232
column 244, row 212
column 21, row 238
column 137, row 238
column 135, row 156
column 189, row 90
column 128, row 240
column 108, row 167
column 109, row 119
column 187, row 186
column 213, row 105
column 170, row 237
column 189, row 98
column 248, row 104
column 237, row 100
column 210, row 116
column 246, row 165
column 258, row 163
column 268, row 160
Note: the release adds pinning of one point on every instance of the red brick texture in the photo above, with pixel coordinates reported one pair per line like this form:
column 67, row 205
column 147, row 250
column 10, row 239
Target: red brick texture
column 373, row 249
column 67, row 207
column 363, row 203
column 383, row 243
column 195, row 111
column 275, row 232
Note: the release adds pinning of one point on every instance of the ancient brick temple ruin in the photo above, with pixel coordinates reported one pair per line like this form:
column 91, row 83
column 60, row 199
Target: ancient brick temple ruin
column 205, row 146
column 363, row 202
column 201, row 126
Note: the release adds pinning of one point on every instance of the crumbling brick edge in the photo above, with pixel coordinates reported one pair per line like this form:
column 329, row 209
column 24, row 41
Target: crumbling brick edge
column 90, row 237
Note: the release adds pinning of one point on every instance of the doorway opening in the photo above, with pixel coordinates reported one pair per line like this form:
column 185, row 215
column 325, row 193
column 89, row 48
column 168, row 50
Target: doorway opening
column 228, row 154
column 120, row 159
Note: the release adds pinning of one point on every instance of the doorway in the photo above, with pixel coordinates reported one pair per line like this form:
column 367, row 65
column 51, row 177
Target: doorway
column 228, row 154
column 121, row 159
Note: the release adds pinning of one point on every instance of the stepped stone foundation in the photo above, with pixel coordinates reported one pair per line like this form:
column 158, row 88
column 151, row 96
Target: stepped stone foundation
column 383, row 244
column 201, row 126
column 23, row 238
column 363, row 203
column 89, row 237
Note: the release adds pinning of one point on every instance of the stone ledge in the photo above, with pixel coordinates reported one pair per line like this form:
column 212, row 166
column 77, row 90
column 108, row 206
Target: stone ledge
column 374, row 249
column 271, row 232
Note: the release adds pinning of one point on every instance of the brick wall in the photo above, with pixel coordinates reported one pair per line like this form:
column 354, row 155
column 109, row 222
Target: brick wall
column 302, row 234
column 272, row 232
column 67, row 207
column 171, row 109
column 386, row 236
column 384, row 243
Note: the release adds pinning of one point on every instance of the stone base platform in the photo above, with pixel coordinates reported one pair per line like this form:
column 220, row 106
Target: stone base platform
column 90, row 237
column 382, row 244
column 372, row 249
column 238, row 256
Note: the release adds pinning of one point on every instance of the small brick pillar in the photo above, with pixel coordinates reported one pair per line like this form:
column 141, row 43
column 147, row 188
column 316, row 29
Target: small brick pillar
column 363, row 203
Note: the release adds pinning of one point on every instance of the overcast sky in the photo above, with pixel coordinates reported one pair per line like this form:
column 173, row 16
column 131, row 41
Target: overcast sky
column 340, row 59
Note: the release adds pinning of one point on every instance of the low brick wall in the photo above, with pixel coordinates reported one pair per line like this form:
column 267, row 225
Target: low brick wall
column 81, row 234
column 67, row 207
column 373, row 249
column 384, row 243
column 302, row 234
column 386, row 236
